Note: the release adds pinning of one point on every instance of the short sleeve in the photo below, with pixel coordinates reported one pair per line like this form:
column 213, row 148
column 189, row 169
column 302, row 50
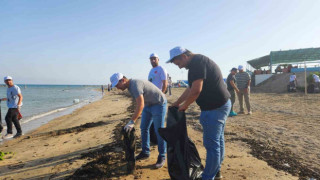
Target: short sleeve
column 137, row 89
column 198, row 71
column 163, row 75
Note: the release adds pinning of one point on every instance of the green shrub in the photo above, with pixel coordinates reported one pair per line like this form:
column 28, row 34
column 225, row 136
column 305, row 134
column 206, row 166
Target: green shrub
column 310, row 77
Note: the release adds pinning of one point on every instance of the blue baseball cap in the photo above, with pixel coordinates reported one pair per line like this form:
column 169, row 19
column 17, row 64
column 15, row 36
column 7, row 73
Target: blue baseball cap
column 176, row 52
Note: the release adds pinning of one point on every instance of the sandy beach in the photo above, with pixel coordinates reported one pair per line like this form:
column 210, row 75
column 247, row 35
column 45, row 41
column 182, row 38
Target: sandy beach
column 279, row 141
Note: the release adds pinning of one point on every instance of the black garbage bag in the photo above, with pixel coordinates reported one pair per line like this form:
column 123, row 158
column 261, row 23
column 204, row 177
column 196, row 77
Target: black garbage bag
column 129, row 145
column 184, row 162
column 153, row 136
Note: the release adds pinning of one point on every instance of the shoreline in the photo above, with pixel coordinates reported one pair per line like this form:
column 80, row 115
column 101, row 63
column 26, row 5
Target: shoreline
column 89, row 139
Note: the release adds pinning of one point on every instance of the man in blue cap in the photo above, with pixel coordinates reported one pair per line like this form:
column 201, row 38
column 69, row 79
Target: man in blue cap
column 152, row 104
column 207, row 88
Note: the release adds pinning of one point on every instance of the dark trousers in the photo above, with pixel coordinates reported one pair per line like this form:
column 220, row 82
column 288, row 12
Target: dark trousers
column 232, row 98
column 12, row 117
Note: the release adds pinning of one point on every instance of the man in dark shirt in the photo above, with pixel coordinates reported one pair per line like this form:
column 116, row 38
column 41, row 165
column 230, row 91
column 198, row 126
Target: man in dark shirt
column 207, row 88
column 231, row 86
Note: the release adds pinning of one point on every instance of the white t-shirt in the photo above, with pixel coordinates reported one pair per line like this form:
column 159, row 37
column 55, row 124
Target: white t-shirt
column 157, row 75
column 316, row 78
column 292, row 77
column 12, row 96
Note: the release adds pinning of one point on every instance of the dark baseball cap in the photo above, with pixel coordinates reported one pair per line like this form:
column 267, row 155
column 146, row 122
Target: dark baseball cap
column 234, row 69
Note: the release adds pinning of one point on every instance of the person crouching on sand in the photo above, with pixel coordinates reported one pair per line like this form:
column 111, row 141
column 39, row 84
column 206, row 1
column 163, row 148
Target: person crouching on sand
column 207, row 88
column 152, row 103
column 14, row 103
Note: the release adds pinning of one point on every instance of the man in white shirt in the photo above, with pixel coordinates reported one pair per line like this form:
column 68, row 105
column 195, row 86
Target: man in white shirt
column 158, row 75
column 316, row 81
column 14, row 103
column 293, row 82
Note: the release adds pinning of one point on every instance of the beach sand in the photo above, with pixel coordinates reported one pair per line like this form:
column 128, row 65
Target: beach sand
column 87, row 143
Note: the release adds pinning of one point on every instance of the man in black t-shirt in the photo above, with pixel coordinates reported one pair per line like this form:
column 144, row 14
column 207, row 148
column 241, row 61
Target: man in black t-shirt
column 207, row 88
column 231, row 86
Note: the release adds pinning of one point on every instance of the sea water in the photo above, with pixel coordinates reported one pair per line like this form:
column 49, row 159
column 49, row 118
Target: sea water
column 42, row 103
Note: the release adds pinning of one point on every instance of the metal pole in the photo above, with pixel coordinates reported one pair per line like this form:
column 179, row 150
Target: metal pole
column 305, row 78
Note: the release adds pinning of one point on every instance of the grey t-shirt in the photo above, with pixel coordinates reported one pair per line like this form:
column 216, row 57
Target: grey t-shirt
column 12, row 96
column 152, row 94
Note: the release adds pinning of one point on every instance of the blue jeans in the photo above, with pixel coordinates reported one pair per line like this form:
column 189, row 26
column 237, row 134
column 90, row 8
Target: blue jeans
column 213, row 123
column 155, row 113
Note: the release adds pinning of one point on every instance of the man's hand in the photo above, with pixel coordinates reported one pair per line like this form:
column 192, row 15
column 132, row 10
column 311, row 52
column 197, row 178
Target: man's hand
column 183, row 107
column 237, row 91
column 175, row 104
column 129, row 126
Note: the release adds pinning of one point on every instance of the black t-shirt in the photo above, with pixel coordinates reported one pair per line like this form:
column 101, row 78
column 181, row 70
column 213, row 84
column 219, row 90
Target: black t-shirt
column 230, row 78
column 214, row 92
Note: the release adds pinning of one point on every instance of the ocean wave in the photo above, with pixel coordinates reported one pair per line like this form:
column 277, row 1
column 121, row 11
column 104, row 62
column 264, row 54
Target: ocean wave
column 43, row 115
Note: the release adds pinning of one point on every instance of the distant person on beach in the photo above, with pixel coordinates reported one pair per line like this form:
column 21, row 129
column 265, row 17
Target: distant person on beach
column 243, row 84
column 207, row 88
column 14, row 103
column 316, row 81
column 158, row 74
column 102, row 89
column 108, row 87
column 169, row 85
column 232, row 86
column 152, row 103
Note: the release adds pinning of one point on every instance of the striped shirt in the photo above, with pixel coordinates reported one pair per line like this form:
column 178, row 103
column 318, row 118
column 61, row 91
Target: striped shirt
column 242, row 80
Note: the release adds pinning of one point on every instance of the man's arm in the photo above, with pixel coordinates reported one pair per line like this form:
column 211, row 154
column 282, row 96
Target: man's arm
column 182, row 98
column 164, row 85
column 20, row 99
column 234, row 86
column 139, row 108
column 193, row 95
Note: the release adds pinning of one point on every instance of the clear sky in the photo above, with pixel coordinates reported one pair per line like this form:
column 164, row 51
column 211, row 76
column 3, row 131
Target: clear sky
column 85, row 42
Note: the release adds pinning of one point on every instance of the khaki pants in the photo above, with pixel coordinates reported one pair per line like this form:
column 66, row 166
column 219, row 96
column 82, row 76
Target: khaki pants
column 233, row 98
column 246, row 96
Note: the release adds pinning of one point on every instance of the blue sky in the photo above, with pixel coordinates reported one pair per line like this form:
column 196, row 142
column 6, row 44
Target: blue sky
column 85, row 42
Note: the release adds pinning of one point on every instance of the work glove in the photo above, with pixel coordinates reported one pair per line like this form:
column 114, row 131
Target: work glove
column 129, row 126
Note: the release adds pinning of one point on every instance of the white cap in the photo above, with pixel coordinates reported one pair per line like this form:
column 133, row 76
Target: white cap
column 154, row 55
column 176, row 52
column 240, row 67
column 115, row 79
column 7, row 78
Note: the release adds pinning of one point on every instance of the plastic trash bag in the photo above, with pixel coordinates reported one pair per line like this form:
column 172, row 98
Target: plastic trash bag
column 129, row 143
column 183, row 160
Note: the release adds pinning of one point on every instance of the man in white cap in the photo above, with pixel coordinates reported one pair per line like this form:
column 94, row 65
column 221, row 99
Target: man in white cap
column 14, row 103
column 207, row 88
column 157, row 75
column 243, row 84
column 152, row 103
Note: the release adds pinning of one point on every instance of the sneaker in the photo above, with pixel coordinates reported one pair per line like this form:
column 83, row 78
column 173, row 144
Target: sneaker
column 142, row 156
column 8, row 136
column 249, row 113
column 17, row 135
column 218, row 176
column 232, row 113
column 241, row 112
column 160, row 162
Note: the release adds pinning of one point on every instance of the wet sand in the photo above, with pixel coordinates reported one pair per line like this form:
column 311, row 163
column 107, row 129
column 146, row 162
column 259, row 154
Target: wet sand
column 87, row 143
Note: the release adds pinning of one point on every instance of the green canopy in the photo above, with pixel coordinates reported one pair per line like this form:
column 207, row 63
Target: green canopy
column 284, row 57
column 298, row 55
column 260, row 62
